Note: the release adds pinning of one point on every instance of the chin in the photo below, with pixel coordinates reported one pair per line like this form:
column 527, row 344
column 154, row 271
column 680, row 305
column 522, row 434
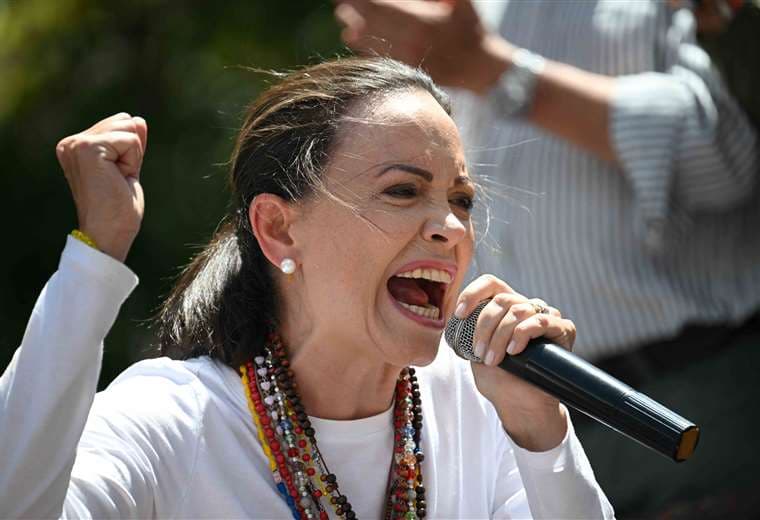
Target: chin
column 424, row 353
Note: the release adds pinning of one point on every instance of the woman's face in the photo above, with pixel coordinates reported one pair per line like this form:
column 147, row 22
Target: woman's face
column 382, row 259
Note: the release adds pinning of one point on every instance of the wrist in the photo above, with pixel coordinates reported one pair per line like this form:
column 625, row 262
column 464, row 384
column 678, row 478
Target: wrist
column 496, row 58
column 115, row 246
column 537, row 430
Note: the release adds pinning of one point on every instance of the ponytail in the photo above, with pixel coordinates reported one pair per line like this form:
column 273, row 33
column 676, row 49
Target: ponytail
column 217, row 307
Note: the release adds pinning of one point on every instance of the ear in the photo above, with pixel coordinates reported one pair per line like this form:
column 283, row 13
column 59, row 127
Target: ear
column 271, row 218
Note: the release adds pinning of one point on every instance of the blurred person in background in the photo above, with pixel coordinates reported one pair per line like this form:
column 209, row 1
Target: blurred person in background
column 729, row 30
column 291, row 393
column 631, row 178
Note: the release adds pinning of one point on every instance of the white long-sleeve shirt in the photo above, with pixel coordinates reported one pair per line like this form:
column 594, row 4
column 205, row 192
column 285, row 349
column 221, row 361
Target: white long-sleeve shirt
column 175, row 439
column 631, row 252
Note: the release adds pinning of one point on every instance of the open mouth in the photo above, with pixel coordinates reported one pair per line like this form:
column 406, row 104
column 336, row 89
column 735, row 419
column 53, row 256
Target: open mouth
column 421, row 291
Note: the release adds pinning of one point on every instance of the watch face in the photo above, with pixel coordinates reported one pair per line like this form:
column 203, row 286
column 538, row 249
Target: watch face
column 516, row 86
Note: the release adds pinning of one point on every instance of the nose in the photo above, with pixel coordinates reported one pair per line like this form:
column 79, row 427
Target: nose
column 445, row 228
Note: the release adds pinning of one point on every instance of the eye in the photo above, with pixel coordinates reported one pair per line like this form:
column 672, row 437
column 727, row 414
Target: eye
column 465, row 202
column 402, row 191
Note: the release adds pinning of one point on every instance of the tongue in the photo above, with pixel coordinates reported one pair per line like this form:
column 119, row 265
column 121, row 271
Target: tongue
column 408, row 291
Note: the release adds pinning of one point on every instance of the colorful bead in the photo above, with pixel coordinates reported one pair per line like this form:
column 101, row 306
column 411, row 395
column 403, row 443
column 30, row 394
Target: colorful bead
column 301, row 477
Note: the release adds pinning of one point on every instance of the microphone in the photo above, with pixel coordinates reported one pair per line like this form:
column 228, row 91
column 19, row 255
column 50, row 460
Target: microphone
column 580, row 385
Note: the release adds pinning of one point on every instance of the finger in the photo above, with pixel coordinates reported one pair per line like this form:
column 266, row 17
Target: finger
column 497, row 346
column 103, row 123
column 134, row 124
column 63, row 157
column 557, row 330
column 141, row 126
column 491, row 316
column 483, row 287
column 122, row 148
column 354, row 23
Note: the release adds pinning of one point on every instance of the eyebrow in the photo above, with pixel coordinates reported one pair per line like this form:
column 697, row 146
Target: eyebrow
column 421, row 172
column 408, row 168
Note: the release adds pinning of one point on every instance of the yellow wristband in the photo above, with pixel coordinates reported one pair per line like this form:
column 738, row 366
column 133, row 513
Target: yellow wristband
column 83, row 237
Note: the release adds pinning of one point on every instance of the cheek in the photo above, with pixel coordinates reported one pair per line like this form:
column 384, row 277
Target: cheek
column 468, row 247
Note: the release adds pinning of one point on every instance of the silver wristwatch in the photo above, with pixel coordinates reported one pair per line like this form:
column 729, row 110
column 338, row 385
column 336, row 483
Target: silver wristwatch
column 514, row 91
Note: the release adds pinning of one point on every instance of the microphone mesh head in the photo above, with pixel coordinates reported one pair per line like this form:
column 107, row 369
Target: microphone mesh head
column 460, row 334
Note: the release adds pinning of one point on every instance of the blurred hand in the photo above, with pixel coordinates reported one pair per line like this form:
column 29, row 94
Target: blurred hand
column 102, row 166
column 446, row 38
column 508, row 322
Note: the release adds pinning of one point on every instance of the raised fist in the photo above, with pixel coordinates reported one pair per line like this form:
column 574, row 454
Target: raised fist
column 102, row 166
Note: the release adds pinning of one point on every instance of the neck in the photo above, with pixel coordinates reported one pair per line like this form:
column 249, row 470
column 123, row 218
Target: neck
column 339, row 383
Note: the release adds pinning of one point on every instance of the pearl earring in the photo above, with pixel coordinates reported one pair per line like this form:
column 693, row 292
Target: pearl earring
column 288, row 266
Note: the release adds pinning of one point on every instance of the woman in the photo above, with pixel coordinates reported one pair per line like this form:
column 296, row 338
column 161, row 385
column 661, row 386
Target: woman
column 343, row 253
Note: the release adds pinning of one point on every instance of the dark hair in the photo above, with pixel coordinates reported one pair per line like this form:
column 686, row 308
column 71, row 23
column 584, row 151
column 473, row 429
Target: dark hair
column 225, row 303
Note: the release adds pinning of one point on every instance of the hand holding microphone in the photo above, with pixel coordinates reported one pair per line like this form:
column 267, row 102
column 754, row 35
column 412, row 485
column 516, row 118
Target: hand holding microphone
column 555, row 371
column 534, row 419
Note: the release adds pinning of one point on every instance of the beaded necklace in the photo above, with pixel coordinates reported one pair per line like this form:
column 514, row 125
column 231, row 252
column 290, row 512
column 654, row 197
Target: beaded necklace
column 288, row 440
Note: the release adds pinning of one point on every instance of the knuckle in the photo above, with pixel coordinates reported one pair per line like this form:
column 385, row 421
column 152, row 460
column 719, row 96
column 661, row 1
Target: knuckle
column 571, row 330
column 521, row 329
column 128, row 125
column 503, row 300
column 78, row 143
column 489, row 279
column 522, row 310
column 543, row 320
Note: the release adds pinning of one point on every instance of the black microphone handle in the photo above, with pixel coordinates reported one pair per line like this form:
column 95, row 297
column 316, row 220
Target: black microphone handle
column 573, row 381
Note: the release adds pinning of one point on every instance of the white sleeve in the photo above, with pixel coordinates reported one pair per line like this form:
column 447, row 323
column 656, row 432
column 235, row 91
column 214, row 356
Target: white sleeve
column 48, row 388
column 554, row 484
column 139, row 448
column 683, row 142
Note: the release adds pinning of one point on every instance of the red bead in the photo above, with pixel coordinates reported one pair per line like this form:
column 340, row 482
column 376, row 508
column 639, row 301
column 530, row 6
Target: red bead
column 298, row 430
column 292, row 452
column 323, row 515
column 279, row 458
column 310, row 472
column 306, row 457
column 269, row 432
column 275, row 445
column 302, row 443
column 317, row 492
column 265, row 420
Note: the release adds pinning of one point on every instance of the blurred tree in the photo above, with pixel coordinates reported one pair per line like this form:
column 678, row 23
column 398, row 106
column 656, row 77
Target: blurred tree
column 65, row 64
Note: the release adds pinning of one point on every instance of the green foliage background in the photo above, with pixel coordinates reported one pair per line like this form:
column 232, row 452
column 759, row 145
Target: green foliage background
column 65, row 64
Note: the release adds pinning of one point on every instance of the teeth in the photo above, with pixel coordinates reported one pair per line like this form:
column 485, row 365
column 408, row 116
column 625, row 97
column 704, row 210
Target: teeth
column 431, row 311
column 435, row 275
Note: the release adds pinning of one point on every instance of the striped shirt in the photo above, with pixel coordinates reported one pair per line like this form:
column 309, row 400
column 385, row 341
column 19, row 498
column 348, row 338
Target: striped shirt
column 632, row 252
